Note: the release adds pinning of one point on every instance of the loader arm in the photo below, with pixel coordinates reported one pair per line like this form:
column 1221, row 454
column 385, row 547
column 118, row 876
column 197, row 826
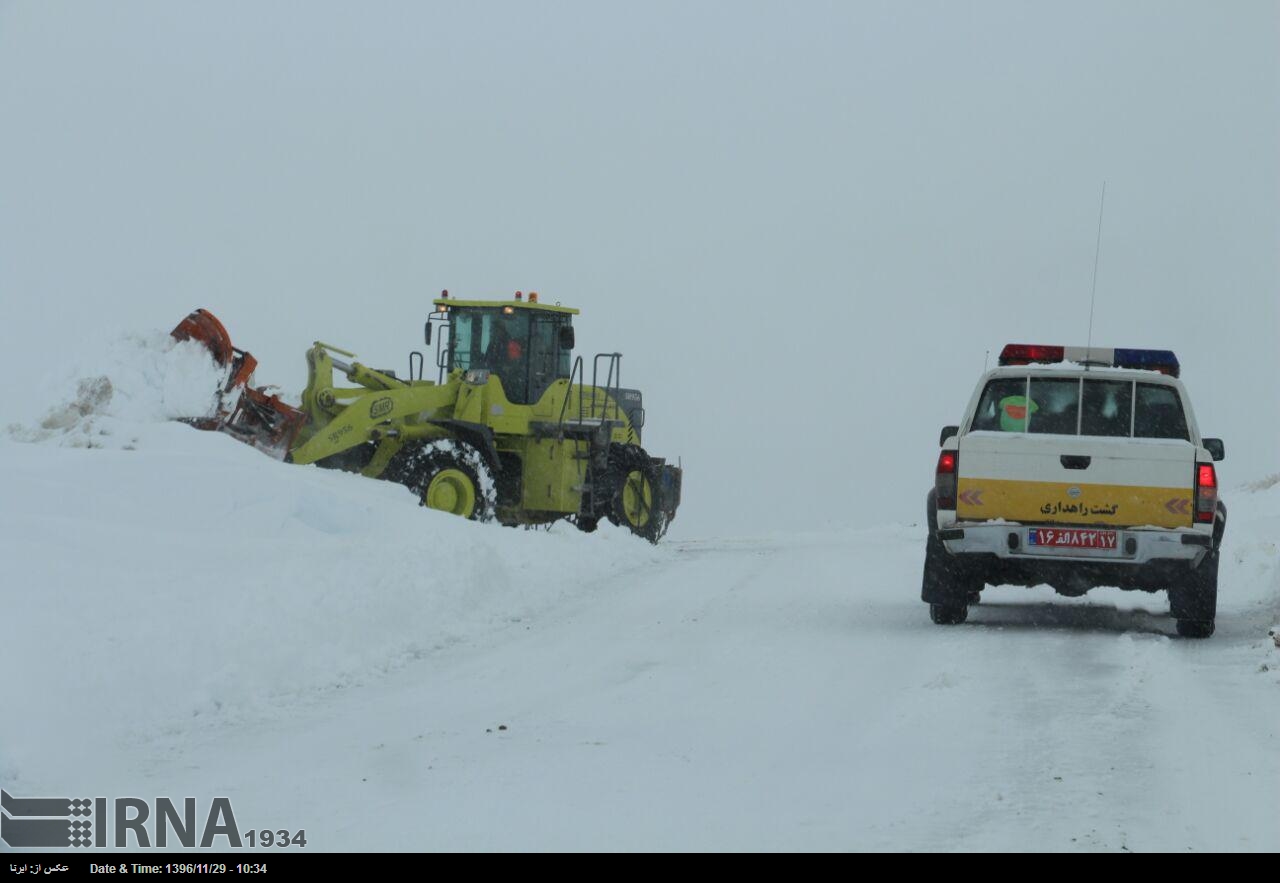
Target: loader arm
column 381, row 408
column 373, row 417
column 321, row 396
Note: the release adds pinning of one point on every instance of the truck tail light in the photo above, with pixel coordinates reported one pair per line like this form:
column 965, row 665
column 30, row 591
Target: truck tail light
column 945, row 479
column 1206, row 492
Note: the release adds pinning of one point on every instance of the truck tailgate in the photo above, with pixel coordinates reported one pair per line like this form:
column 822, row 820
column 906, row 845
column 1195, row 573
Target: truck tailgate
column 1061, row 479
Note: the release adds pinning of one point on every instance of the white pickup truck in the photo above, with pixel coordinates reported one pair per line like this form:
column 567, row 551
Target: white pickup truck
column 1078, row 468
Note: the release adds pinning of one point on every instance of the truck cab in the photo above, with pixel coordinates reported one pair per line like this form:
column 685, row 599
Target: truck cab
column 1077, row 467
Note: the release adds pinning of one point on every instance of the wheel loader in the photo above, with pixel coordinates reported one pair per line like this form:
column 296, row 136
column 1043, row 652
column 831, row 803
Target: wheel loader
column 509, row 429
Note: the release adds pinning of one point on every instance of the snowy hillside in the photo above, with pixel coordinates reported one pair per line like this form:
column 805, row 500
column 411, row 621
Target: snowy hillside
column 183, row 615
column 160, row 576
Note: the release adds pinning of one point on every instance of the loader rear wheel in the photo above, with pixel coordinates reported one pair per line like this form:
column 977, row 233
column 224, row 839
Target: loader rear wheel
column 634, row 495
column 636, row 500
column 634, row 505
column 451, row 477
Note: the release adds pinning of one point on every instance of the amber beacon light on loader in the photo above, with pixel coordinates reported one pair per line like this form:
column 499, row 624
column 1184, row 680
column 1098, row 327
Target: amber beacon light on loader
column 508, row 430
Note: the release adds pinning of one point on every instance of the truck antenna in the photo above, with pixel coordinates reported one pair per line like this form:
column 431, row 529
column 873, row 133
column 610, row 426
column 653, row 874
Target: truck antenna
column 1097, row 250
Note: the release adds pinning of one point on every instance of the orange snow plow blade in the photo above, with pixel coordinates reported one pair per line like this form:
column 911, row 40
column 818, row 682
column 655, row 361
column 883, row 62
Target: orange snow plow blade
column 251, row 415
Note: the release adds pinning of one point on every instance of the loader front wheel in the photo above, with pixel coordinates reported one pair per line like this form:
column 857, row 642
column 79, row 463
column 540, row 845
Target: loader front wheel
column 451, row 477
column 452, row 491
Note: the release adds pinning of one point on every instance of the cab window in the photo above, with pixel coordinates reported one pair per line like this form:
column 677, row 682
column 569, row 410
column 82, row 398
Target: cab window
column 547, row 361
column 462, row 340
column 494, row 340
column 1002, row 407
column 1054, row 406
column 1067, row 406
column 1159, row 413
column 1106, row 408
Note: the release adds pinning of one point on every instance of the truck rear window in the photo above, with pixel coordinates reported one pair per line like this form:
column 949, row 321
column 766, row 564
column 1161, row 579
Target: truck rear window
column 1003, row 406
column 1055, row 406
column 1159, row 413
column 1078, row 406
column 1107, row 408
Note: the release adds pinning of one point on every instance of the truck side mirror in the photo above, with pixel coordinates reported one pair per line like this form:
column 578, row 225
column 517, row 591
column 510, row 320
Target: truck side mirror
column 566, row 337
column 426, row 333
column 947, row 432
column 1217, row 450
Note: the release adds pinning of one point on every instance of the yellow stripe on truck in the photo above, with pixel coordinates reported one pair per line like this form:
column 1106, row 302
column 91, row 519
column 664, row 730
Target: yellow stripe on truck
column 1051, row 502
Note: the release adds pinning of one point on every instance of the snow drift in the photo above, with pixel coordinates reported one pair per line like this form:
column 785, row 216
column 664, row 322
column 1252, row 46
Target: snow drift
column 137, row 380
column 160, row 576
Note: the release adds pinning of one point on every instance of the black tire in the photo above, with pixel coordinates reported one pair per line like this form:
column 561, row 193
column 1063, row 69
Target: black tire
column 945, row 581
column 450, row 476
column 586, row 523
column 633, row 493
column 1193, row 600
column 945, row 614
column 1195, row 628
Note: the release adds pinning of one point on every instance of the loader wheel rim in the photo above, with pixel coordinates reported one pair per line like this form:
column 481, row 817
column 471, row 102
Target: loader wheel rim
column 451, row 490
column 637, row 499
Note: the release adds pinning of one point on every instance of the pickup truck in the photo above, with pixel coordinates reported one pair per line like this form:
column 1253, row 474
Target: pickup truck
column 1077, row 467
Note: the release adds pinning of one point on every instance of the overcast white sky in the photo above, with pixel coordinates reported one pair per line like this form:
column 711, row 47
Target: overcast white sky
column 804, row 224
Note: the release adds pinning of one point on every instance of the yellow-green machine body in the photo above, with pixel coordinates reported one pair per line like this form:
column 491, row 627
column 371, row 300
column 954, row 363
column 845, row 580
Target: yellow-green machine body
column 509, row 428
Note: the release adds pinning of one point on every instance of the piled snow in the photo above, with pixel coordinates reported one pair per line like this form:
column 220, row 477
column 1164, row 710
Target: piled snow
column 1251, row 565
column 169, row 576
column 1263, row 484
column 199, row 578
column 138, row 380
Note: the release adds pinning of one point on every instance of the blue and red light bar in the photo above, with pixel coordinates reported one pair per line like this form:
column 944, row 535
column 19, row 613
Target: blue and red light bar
column 1163, row 361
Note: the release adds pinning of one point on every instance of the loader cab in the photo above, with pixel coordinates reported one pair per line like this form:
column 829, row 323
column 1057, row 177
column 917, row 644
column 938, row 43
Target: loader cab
column 528, row 346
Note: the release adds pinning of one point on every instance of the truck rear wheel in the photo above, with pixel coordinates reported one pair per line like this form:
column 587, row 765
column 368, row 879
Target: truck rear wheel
column 945, row 614
column 1193, row 600
column 945, row 586
column 1195, row 628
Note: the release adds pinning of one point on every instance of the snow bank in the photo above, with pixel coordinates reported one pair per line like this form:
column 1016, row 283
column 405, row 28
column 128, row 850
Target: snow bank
column 1250, row 571
column 138, row 379
column 160, row 578
column 149, row 590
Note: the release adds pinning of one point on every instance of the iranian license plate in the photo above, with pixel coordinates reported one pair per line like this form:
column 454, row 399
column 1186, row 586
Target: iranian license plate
column 1071, row 538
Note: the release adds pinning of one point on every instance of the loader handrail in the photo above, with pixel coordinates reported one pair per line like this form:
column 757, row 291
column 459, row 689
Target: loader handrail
column 612, row 384
column 578, row 371
column 612, row 388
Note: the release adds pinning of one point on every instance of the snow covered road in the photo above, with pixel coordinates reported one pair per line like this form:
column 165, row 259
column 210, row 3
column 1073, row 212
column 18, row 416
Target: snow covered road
column 761, row 697
column 389, row 678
